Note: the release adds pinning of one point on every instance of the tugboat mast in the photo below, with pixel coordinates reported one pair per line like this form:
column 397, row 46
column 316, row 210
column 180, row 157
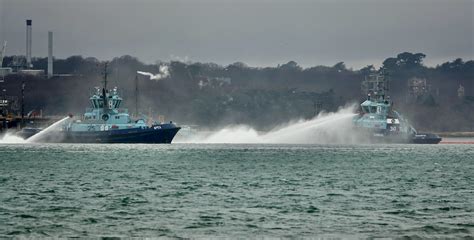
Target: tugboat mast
column 376, row 85
column 104, row 92
column 105, row 75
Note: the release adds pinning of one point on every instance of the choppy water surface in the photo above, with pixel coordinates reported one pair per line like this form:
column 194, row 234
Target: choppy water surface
column 191, row 190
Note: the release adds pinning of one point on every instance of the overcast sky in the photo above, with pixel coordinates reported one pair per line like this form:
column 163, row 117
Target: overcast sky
column 257, row 32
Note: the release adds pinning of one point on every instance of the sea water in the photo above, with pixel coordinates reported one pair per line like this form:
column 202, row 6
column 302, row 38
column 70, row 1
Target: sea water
column 236, row 190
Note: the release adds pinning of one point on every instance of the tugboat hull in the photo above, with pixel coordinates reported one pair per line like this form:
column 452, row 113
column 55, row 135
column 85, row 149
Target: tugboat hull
column 426, row 138
column 137, row 135
column 374, row 136
column 387, row 137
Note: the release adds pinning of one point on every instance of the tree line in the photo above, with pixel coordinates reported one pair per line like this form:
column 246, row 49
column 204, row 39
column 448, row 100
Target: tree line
column 212, row 95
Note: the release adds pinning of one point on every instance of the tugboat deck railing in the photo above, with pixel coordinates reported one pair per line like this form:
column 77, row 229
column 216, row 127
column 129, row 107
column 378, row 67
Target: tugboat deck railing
column 120, row 110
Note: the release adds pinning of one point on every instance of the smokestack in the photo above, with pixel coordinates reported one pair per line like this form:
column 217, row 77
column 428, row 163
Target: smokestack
column 50, row 54
column 28, row 44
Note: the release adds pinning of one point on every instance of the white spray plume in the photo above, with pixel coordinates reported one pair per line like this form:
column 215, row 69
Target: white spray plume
column 45, row 132
column 164, row 72
column 326, row 128
column 11, row 138
column 37, row 138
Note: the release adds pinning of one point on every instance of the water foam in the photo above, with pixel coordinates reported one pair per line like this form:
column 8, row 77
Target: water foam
column 335, row 127
column 11, row 138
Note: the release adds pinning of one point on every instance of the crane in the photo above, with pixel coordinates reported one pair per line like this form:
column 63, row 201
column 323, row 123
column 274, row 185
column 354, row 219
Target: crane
column 2, row 53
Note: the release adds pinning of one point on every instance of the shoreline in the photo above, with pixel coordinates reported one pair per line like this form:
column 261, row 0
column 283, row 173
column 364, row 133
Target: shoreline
column 455, row 134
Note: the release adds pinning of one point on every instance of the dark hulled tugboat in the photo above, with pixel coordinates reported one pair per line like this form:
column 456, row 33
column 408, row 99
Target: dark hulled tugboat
column 380, row 122
column 106, row 122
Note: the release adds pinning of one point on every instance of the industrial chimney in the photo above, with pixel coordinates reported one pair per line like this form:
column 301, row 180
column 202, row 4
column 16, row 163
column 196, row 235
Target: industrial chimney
column 28, row 44
column 50, row 54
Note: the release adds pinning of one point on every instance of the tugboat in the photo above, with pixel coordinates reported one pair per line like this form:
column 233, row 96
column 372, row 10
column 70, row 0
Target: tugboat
column 380, row 122
column 106, row 122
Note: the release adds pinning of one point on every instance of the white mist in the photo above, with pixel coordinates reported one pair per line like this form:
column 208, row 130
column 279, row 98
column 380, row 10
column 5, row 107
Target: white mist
column 326, row 128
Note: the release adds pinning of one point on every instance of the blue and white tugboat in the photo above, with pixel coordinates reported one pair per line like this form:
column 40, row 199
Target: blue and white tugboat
column 380, row 122
column 106, row 122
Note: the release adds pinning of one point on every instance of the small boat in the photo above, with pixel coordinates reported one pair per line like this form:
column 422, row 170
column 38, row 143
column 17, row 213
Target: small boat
column 105, row 122
column 378, row 121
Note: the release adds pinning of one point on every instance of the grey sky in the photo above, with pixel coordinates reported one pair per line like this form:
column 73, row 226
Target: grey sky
column 257, row 32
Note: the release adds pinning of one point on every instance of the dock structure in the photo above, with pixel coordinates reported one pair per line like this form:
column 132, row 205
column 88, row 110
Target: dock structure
column 17, row 122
